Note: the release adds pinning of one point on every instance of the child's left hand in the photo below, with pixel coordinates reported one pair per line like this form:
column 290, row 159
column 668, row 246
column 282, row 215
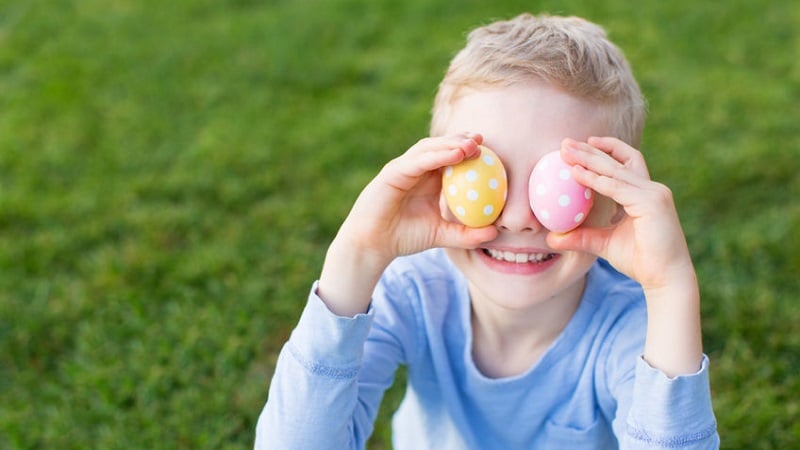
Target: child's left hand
column 647, row 243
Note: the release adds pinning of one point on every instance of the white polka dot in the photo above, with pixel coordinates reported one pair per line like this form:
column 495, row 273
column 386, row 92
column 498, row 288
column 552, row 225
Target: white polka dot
column 448, row 171
column 545, row 214
column 472, row 194
column 488, row 210
column 471, row 176
column 541, row 189
column 587, row 193
column 564, row 200
column 493, row 183
column 564, row 174
column 488, row 160
column 578, row 217
column 461, row 211
column 452, row 189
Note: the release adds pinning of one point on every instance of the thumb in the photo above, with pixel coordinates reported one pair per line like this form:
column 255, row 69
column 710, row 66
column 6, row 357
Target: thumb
column 455, row 235
column 589, row 240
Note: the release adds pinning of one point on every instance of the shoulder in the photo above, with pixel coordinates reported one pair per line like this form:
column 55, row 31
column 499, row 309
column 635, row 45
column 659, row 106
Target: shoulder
column 609, row 290
column 620, row 317
column 424, row 284
column 431, row 267
column 618, row 313
column 415, row 297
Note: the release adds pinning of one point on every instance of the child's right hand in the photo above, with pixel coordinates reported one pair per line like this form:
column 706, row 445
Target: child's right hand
column 398, row 213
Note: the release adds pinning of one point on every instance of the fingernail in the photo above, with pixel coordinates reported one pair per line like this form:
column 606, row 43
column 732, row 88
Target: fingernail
column 473, row 136
column 468, row 146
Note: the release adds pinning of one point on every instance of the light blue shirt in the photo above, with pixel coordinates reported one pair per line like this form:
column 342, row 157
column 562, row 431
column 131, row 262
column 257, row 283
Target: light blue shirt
column 590, row 390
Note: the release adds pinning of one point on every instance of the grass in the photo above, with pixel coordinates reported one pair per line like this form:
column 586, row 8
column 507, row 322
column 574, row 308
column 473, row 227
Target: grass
column 171, row 173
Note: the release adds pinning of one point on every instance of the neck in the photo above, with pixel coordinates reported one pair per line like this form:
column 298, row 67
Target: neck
column 508, row 342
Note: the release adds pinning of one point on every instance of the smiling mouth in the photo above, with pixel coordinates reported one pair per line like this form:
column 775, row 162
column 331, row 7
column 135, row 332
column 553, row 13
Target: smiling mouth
column 519, row 258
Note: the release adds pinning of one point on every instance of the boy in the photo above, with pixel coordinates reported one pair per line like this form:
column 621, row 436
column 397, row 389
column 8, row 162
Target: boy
column 514, row 337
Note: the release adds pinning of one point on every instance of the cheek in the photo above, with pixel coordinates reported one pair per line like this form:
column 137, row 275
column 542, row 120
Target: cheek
column 602, row 212
column 459, row 258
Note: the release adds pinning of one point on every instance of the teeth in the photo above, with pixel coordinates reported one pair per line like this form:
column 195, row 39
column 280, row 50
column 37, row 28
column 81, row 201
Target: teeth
column 518, row 258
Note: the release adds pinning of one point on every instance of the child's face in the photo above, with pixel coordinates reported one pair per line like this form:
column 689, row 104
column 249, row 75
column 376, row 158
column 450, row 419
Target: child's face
column 521, row 123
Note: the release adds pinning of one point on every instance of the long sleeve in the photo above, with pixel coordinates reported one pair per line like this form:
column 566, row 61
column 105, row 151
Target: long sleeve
column 670, row 413
column 649, row 410
column 590, row 390
column 329, row 380
column 313, row 395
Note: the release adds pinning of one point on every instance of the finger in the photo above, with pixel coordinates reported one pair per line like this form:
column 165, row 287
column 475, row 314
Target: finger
column 596, row 160
column 456, row 235
column 622, row 152
column 433, row 153
column 582, row 239
column 621, row 191
column 468, row 142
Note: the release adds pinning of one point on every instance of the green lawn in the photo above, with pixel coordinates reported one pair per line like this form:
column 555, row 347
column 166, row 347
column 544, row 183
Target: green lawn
column 171, row 173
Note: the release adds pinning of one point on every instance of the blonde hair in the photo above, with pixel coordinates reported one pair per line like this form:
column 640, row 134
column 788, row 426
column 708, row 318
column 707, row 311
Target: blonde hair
column 567, row 52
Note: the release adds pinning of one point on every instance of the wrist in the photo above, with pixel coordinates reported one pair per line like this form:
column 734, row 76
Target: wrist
column 674, row 338
column 349, row 275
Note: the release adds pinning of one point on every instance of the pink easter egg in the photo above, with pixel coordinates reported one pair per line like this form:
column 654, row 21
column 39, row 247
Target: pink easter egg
column 558, row 201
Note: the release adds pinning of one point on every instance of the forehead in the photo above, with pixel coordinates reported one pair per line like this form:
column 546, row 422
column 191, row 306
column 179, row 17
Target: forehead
column 533, row 116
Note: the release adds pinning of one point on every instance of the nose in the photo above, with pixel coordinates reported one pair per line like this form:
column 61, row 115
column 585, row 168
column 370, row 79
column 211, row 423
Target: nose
column 517, row 215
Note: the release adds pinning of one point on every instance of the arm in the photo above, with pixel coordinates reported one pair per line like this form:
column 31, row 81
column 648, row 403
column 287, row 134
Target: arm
column 332, row 372
column 317, row 372
column 396, row 214
column 647, row 244
column 647, row 408
column 666, row 400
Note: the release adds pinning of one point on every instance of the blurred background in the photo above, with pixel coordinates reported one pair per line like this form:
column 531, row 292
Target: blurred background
column 172, row 172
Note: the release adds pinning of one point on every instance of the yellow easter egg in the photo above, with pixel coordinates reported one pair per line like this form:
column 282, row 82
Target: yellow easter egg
column 475, row 190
